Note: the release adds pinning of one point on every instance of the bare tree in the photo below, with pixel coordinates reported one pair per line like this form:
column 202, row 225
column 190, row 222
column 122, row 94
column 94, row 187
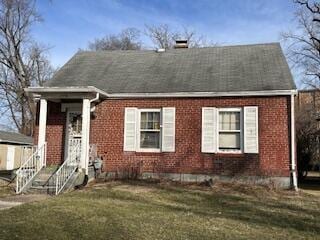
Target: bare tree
column 303, row 44
column 308, row 130
column 303, row 52
column 22, row 62
column 128, row 39
column 163, row 36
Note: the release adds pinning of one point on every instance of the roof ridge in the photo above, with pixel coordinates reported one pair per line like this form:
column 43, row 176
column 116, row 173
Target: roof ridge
column 180, row 49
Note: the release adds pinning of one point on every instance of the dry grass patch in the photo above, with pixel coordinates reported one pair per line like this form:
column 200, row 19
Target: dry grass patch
column 139, row 210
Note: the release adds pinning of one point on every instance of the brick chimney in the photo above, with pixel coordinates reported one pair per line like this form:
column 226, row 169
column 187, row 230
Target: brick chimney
column 181, row 44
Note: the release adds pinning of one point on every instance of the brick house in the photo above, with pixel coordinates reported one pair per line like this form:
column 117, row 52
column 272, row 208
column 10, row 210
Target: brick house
column 187, row 114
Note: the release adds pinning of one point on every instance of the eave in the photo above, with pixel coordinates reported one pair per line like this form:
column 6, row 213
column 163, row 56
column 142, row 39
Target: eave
column 65, row 92
column 74, row 92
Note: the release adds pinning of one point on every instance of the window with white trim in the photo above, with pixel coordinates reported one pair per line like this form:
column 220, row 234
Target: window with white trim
column 230, row 130
column 149, row 131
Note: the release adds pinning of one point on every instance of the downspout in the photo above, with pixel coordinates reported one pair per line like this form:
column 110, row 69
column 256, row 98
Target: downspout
column 96, row 98
column 86, row 177
column 87, row 159
column 293, row 145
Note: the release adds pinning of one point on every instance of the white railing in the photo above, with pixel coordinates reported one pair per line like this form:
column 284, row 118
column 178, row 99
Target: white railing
column 74, row 142
column 69, row 166
column 30, row 168
column 26, row 152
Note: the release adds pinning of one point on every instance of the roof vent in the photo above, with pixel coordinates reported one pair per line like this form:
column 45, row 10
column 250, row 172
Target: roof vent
column 181, row 44
column 160, row 50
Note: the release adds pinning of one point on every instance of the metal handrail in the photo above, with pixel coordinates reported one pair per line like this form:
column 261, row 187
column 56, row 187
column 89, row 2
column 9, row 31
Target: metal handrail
column 66, row 170
column 30, row 168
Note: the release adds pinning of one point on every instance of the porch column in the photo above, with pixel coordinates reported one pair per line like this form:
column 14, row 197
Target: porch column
column 85, row 135
column 42, row 127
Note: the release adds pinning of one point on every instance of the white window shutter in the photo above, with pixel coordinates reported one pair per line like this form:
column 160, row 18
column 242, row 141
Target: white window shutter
column 209, row 130
column 168, row 129
column 130, row 126
column 251, row 140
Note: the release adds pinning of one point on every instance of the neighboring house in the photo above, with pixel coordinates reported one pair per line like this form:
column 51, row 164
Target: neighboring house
column 308, row 104
column 14, row 148
column 186, row 114
column 309, row 100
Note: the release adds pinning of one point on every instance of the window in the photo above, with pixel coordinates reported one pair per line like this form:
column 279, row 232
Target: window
column 230, row 130
column 149, row 129
column 75, row 124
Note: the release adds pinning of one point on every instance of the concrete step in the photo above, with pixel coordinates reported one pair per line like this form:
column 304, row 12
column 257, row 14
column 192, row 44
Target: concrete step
column 44, row 183
column 43, row 176
column 42, row 189
column 40, row 182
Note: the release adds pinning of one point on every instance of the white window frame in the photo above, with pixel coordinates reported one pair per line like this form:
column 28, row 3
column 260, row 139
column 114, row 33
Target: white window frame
column 139, row 149
column 239, row 109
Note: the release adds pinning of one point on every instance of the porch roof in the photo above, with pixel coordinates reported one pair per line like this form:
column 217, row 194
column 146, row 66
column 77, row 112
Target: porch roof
column 66, row 92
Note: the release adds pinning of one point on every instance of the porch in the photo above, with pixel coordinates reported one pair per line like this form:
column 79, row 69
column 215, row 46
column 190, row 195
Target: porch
column 77, row 104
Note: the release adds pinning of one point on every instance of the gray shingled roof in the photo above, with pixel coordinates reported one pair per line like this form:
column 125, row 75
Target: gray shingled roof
column 12, row 137
column 214, row 69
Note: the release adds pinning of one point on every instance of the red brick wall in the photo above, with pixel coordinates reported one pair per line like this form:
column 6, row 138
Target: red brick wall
column 55, row 133
column 274, row 149
column 107, row 132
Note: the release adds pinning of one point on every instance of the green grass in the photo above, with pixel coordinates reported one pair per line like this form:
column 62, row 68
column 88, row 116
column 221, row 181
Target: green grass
column 6, row 191
column 162, row 211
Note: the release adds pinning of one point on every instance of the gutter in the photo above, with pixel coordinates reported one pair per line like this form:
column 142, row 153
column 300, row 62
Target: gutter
column 15, row 142
column 204, row 94
column 37, row 91
column 293, row 144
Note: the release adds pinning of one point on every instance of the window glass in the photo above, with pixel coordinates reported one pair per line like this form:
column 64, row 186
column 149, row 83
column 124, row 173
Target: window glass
column 229, row 141
column 150, row 120
column 229, row 120
column 150, row 140
column 229, row 130
column 150, row 130
column 75, row 123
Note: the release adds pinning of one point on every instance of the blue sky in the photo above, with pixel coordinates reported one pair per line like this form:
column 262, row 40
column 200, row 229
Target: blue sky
column 69, row 24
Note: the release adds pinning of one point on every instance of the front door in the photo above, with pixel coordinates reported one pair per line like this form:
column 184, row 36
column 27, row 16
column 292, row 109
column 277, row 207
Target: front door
column 74, row 134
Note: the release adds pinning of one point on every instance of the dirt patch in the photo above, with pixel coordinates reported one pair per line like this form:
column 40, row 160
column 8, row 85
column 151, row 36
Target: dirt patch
column 6, row 205
column 16, row 200
column 133, row 189
column 26, row 198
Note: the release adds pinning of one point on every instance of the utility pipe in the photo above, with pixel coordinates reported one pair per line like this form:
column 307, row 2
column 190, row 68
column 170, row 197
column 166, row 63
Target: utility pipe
column 293, row 145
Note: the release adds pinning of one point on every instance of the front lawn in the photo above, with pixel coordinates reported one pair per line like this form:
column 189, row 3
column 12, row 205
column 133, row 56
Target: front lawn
column 162, row 211
column 5, row 191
